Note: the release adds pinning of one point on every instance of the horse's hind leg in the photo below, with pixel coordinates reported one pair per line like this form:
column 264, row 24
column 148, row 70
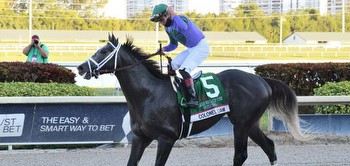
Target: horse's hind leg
column 164, row 148
column 138, row 146
column 241, row 139
column 264, row 142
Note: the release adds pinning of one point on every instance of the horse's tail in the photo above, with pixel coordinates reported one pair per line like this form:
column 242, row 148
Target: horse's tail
column 284, row 106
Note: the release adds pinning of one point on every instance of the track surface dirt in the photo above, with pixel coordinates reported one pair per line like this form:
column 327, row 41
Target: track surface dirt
column 325, row 150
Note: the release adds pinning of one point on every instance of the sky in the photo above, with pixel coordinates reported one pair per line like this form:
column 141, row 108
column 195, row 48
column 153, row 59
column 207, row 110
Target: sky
column 117, row 8
column 204, row 6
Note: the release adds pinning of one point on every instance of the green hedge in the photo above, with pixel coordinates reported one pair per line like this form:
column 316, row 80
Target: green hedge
column 43, row 89
column 333, row 89
column 35, row 72
column 304, row 77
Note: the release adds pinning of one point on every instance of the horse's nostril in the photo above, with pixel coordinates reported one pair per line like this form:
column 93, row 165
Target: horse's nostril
column 80, row 67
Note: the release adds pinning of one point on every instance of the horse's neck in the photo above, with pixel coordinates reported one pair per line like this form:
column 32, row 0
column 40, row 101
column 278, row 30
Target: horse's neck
column 138, row 84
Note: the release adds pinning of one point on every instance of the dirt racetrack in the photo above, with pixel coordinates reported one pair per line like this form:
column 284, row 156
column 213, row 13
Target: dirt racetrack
column 326, row 150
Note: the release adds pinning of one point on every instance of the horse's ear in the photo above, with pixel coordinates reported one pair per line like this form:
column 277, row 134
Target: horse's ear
column 113, row 37
column 109, row 37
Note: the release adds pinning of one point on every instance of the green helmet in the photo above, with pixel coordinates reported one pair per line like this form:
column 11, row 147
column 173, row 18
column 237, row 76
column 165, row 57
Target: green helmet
column 159, row 11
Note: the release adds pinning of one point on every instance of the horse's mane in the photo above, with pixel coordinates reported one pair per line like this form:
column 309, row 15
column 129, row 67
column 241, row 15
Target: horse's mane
column 139, row 54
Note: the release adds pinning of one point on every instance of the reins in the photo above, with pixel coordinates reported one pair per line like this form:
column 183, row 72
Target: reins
column 161, row 53
column 114, row 53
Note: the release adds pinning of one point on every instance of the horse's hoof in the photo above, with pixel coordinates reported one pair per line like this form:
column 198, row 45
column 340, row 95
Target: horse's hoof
column 274, row 163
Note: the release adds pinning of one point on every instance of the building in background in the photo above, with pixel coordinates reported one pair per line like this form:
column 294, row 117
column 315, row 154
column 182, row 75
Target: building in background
column 335, row 6
column 284, row 6
column 277, row 6
column 326, row 39
column 137, row 6
column 228, row 6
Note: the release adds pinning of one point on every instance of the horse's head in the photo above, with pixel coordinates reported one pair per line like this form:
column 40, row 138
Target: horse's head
column 103, row 59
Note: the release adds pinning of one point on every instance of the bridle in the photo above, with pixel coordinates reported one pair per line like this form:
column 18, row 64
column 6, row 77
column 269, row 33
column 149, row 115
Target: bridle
column 99, row 65
column 96, row 72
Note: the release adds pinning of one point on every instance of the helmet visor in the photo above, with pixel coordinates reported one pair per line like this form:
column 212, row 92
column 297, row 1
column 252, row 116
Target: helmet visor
column 156, row 17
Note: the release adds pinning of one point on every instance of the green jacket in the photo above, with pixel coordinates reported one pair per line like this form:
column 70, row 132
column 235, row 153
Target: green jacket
column 34, row 51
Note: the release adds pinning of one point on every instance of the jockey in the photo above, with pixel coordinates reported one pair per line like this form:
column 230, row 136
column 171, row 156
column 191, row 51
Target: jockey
column 181, row 29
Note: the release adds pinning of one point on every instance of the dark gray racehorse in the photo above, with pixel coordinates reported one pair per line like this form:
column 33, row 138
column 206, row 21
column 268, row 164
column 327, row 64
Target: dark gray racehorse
column 154, row 110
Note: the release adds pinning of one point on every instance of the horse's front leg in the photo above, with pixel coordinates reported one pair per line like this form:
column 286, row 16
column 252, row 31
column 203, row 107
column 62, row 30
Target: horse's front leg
column 139, row 144
column 164, row 148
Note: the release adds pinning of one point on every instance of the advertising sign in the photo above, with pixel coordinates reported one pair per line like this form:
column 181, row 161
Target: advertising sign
column 52, row 123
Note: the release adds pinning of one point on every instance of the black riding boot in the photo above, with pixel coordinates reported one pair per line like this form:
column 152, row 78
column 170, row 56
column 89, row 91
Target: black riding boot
column 191, row 96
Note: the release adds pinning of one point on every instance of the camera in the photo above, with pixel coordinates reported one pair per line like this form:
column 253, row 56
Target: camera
column 36, row 42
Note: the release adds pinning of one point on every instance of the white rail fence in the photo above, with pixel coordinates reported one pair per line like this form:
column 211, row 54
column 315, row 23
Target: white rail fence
column 217, row 50
column 323, row 100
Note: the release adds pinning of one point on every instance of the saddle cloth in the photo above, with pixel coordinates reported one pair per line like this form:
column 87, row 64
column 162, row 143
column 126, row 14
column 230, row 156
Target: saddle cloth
column 211, row 97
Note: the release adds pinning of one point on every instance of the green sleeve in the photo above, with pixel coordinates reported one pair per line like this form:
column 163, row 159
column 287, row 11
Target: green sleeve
column 172, row 40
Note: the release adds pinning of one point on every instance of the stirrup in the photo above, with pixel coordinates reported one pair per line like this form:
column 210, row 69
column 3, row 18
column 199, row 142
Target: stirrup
column 192, row 105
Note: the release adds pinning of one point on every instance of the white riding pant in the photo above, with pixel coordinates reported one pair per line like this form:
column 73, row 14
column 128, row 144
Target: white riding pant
column 190, row 58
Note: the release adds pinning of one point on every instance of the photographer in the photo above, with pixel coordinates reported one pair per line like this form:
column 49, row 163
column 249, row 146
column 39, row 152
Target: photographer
column 36, row 51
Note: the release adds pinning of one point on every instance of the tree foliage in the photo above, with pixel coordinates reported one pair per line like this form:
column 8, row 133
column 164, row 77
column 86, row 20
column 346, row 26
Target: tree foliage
column 84, row 15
